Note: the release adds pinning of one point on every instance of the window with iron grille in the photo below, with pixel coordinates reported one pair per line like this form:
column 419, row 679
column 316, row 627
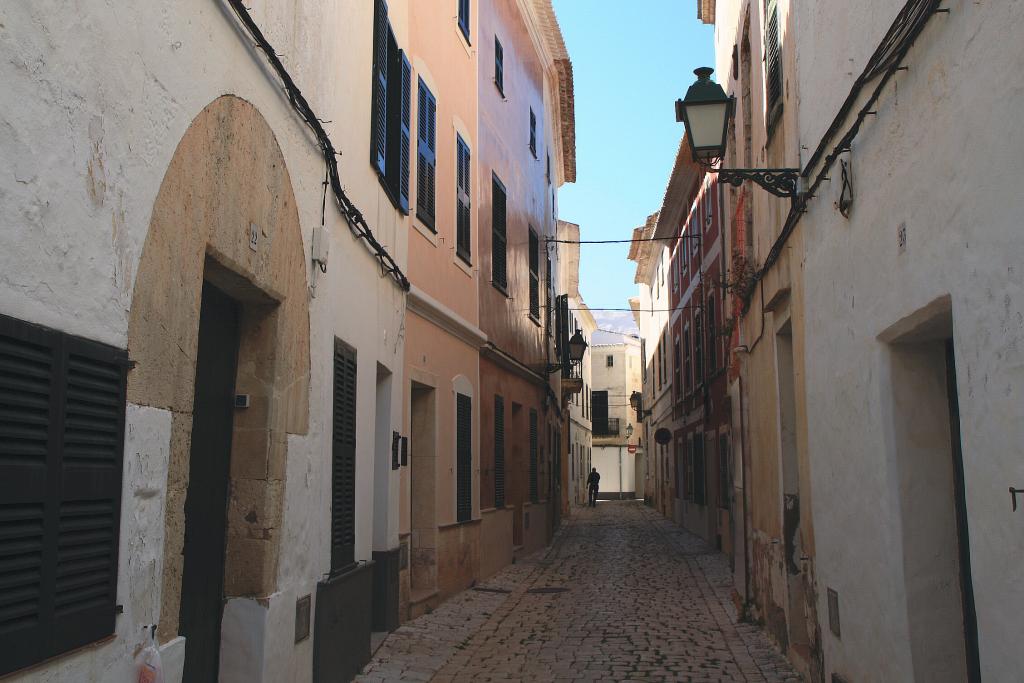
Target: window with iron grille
column 534, row 446
column 499, row 452
column 610, row 361
column 499, row 273
column 773, row 62
column 464, row 18
column 343, row 459
column 463, row 216
column 464, row 457
column 534, row 248
column 499, row 66
column 62, row 412
column 533, row 133
column 391, row 111
column 426, row 157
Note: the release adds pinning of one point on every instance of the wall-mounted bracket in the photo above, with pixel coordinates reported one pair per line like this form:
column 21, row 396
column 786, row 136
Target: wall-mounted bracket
column 781, row 182
column 1013, row 497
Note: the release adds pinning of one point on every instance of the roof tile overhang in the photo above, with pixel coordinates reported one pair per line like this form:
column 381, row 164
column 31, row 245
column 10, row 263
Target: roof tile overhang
column 554, row 41
column 706, row 11
column 687, row 174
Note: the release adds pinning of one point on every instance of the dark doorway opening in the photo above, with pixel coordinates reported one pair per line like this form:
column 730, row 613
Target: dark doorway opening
column 202, row 583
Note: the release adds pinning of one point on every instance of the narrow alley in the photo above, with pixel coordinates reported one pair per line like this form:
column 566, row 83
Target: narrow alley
column 622, row 594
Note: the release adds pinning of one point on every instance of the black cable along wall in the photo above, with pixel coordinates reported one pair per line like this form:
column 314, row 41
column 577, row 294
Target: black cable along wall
column 353, row 216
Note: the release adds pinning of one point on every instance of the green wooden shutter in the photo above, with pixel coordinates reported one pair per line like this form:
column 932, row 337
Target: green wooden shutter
column 499, row 65
column 773, row 58
column 62, row 403
column 533, row 133
column 533, row 456
column 406, row 134
column 463, row 217
column 499, row 274
column 464, row 17
column 464, row 457
column 426, row 163
column 499, row 452
column 379, row 104
column 343, row 458
column 534, row 247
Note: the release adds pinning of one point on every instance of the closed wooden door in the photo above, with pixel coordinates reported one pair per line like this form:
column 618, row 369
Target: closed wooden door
column 202, row 584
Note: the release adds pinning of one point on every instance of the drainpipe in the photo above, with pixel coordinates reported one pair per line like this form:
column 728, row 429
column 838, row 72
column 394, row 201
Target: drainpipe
column 746, row 494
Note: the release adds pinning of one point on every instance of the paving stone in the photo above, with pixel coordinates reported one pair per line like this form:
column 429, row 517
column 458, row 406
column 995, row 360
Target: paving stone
column 646, row 601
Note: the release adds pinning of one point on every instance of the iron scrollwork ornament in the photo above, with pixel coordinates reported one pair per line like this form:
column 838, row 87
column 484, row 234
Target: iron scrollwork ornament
column 781, row 182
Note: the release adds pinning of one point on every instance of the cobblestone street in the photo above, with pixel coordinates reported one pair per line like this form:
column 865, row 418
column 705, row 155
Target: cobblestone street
column 620, row 595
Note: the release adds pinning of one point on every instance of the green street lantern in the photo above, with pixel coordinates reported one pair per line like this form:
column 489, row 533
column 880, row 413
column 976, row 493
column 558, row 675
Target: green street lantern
column 577, row 347
column 705, row 111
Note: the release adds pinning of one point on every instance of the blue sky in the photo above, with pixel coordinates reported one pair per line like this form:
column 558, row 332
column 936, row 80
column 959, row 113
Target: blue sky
column 631, row 61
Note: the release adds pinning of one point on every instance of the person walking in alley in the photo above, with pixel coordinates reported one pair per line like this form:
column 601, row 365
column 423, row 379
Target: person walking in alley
column 593, row 483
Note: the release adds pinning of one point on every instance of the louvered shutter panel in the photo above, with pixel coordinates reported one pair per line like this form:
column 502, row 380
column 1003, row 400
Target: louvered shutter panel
column 62, row 403
column 773, row 56
column 534, row 246
column 699, row 496
column 464, row 17
column 499, row 273
column 499, row 65
column 462, row 216
column 464, row 457
column 549, row 289
column 406, row 135
column 533, row 456
column 343, row 458
column 499, row 452
column 379, row 105
column 533, row 133
column 426, row 163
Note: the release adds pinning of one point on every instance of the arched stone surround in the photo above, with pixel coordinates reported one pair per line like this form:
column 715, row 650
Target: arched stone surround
column 227, row 174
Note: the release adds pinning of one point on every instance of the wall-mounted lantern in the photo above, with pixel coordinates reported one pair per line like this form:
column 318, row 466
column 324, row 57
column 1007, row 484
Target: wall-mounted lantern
column 706, row 112
column 636, row 402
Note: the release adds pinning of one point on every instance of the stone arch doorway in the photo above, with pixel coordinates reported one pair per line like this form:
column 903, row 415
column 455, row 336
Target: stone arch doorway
column 225, row 216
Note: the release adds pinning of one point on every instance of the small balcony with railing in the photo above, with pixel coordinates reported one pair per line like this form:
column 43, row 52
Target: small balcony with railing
column 607, row 428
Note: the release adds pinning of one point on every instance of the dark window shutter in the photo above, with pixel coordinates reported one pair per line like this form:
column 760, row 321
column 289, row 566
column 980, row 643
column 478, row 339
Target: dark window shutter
column 712, row 338
column 534, row 245
column 464, row 17
column 464, row 457
column 533, row 133
column 426, row 163
column 406, row 134
column 379, row 105
column 698, row 347
column 773, row 58
column 62, row 403
column 499, row 274
column 343, row 459
column 699, row 496
column 499, row 65
column 462, row 200
column 599, row 412
column 562, row 342
column 533, row 456
column 549, row 291
column 499, row 452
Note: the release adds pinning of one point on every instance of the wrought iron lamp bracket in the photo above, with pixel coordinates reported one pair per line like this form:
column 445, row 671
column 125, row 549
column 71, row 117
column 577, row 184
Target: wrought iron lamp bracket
column 781, row 182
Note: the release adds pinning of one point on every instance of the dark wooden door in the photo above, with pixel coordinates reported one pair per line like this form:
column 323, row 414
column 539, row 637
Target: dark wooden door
column 202, row 583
